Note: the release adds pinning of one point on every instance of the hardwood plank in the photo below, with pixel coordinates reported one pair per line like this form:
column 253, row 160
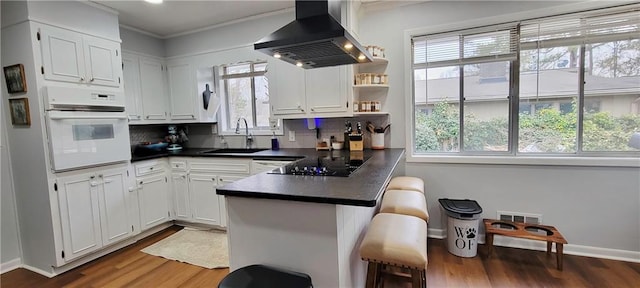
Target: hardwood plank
column 206, row 278
column 508, row 267
column 169, row 274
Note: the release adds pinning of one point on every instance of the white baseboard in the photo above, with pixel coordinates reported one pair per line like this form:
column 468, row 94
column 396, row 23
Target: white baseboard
column 39, row 271
column 10, row 265
column 570, row 249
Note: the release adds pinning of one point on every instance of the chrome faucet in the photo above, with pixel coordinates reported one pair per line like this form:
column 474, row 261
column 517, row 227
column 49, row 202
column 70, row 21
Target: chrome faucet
column 248, row 136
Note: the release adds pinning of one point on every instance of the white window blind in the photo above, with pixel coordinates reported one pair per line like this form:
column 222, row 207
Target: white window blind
column 580, row 29
column 497, row 43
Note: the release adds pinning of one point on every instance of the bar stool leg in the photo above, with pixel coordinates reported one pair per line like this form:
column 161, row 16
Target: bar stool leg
column 416, row 279
column 372, row 275
column 549, row 247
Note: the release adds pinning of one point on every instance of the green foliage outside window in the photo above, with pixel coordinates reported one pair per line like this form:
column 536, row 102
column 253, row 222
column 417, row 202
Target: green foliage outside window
column 546, row 131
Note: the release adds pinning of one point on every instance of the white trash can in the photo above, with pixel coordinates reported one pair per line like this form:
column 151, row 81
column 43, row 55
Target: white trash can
column 462, row 221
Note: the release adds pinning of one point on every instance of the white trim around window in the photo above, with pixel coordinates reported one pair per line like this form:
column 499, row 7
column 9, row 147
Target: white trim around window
column 518, row 159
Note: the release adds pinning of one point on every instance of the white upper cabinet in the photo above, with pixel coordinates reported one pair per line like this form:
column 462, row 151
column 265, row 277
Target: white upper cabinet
column 182, row 97
column 320, row 92
column 327, row 90
column 287, row 96
column 131, row 75
column 73, row 57
column 154, row 104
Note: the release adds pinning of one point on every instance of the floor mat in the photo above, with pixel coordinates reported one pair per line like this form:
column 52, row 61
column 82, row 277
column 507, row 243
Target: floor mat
column 203, row 248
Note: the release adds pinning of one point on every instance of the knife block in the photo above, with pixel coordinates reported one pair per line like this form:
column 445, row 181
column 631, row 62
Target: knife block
column 355, row 142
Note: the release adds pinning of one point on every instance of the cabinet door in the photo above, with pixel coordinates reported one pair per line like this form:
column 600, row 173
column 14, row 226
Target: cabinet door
column 102, row 61
column 114, row 200
column 182, row 99
column 154, row 105
column 154, row 201
column 326, row 90
column 204, row 200
column 288, row 98
column 222, row 203
column 62, row 55
column 79, row 215
column 131, row 75
column 180, row 185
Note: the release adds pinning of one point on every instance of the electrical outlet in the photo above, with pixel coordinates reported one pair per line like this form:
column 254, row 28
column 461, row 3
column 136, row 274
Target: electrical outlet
column 273, row 124
column 292, row 136
column 214, row 129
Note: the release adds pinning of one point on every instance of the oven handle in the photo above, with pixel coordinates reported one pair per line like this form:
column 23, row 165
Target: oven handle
column 52, row 117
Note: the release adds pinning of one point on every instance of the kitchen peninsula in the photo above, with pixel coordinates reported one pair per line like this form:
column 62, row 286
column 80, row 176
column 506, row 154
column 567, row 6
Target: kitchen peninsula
column 309, row 224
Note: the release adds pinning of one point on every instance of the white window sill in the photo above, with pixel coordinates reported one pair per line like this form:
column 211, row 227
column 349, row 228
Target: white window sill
column 527, row 160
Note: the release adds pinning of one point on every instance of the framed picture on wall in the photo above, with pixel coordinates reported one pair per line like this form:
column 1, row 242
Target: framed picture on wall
column 19, row 109
column 16, row 81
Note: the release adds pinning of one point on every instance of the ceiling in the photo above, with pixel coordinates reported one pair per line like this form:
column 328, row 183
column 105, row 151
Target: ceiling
column 175, row 17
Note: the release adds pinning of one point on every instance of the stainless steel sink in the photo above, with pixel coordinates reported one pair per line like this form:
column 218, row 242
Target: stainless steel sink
column 233, row 151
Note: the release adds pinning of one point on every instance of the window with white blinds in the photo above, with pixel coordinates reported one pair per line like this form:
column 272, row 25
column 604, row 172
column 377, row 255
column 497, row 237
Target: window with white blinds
column 466, row 47
column 566, row 85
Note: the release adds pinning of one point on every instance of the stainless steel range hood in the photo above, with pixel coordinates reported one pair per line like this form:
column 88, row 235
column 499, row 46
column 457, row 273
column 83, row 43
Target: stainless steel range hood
column 315, row 39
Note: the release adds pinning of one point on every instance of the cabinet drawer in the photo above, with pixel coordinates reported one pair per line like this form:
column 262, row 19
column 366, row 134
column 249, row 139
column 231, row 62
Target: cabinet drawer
column 240, row 166
column 228, row 179
column 178, row 165
column 150, row 168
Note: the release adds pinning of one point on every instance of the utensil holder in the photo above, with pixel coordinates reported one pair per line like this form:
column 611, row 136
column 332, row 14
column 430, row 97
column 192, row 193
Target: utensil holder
column 377, row 141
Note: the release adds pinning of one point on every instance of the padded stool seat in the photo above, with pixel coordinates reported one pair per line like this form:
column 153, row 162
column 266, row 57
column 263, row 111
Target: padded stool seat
column 261, row 276
column 404, row 202
column 406, row 183
column 395, row 240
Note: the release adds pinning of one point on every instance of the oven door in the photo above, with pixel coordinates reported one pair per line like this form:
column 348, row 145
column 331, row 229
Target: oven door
column 79, row 138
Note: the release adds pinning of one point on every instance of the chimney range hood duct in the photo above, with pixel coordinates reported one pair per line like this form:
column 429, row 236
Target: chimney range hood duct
column 315, row 39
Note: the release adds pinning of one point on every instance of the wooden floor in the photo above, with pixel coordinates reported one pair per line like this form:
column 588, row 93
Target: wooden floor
column 507, row 268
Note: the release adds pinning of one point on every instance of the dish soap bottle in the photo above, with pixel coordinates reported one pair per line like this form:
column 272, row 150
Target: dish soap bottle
column 274, row 142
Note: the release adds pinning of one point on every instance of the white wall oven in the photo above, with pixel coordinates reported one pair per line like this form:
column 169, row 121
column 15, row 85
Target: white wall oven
column 86, row 128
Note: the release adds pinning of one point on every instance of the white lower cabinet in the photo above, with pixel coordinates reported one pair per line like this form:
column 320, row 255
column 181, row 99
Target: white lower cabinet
column 154, row 203
column 194, row 183
column 180, row 185
column 93, row 210
column 205, row 208
column 154, row 195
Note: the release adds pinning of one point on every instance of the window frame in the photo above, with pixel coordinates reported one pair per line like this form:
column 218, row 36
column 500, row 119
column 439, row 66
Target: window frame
column 225, row 121
column 578, row 158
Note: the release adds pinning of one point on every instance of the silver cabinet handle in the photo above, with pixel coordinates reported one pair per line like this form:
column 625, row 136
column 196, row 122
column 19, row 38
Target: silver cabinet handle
column 92, row 80
column 81, row 79
column 93, row 183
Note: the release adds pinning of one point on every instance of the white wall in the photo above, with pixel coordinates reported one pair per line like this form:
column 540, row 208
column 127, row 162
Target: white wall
column 592, row 206
column 133, row 41
column 224, row 37
column 9, row 240
column 78, row 17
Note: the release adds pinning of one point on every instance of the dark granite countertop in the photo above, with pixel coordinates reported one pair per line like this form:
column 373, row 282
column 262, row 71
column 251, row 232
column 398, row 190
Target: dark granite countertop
column 198, row 152
column 361, row 188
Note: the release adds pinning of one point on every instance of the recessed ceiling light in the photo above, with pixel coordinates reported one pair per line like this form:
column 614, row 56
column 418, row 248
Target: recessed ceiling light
column 277, row 55
column 348, row 46
column 154, row 1
column 361, row 57
column 299, row 64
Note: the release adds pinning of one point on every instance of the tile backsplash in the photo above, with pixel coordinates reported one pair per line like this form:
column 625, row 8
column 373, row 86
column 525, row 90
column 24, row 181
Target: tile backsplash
column 200, row 135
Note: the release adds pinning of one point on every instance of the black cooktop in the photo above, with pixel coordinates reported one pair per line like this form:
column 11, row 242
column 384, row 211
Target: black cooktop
column 341, row 165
